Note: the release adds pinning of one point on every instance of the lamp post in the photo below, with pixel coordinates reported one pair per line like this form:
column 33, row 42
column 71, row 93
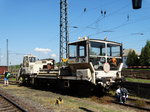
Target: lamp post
column 136, row 4
column 7, row 55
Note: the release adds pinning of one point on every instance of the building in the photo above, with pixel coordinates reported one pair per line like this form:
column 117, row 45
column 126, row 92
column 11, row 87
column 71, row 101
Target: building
column 3, row 69
column 125, row 55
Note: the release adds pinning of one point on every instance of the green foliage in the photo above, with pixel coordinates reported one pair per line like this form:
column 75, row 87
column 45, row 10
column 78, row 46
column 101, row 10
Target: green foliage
column 59, row 64
column 14, row 68
column 132, row 59
column 145, row 55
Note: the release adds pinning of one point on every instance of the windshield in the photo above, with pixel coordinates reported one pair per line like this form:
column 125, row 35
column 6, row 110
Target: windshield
column 77, row 49
column 77, row 52
column 113, row 50
column 101, row 53
column 72, row 51
column 32, row 59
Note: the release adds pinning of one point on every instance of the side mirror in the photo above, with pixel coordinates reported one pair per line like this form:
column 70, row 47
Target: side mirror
column 136, row 4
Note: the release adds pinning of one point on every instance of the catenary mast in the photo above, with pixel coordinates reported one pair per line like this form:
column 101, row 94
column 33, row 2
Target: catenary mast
column 64, row 36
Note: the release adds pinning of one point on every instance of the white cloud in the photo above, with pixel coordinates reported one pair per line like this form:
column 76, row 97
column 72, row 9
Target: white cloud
column 53, row 55
column 44, row 50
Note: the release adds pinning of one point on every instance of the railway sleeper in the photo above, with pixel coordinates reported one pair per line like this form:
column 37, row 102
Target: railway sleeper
column 7, row 108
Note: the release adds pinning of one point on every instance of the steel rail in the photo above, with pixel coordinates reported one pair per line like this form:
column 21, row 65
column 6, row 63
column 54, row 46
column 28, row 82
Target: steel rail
column 13, row 103
column 133, row 106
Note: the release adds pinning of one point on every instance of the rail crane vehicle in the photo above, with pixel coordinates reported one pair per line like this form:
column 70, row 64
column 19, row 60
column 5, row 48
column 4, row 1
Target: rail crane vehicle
column 91, row 63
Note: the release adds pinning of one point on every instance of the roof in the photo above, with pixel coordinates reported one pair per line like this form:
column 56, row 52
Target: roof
column 126, row 52
column 29, row 55
column 95, row 40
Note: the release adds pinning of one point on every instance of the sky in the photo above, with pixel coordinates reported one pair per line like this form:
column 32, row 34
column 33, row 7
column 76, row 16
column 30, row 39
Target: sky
column 32, row 26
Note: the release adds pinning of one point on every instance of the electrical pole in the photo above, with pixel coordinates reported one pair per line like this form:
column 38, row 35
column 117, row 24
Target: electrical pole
column 7, row 55
column 64, row 35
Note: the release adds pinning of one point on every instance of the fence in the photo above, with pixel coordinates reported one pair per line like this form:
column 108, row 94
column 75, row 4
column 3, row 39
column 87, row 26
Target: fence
column 138, row 89
column 143, row 74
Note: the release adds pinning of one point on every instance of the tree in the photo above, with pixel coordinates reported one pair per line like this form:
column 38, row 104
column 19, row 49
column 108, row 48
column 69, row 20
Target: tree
column 132, row 59
column 145, row 55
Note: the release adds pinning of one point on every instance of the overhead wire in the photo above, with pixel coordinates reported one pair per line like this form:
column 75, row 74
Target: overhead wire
column 96, row 8
column 86, row 9
column 116, row 27
column 122, row 25
column 115, row 12
column 101, row 18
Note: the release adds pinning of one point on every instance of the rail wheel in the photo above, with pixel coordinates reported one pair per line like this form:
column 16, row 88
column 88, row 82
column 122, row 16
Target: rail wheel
column 99, row 90
column 20, row 80
column 85, row 90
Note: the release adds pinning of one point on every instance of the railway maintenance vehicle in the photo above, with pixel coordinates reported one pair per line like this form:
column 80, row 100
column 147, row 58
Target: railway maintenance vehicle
column 91, row 64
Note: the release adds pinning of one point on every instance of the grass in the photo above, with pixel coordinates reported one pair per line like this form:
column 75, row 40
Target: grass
column 71, row 104
column 103, row 100
column 140, row 103
column 12, row 79
column 136, row 69
column 137, row 80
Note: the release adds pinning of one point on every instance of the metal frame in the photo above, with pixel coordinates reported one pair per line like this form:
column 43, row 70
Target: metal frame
column 64, row 36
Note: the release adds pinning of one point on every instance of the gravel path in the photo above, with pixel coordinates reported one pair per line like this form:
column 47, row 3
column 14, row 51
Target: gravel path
column 45, row 101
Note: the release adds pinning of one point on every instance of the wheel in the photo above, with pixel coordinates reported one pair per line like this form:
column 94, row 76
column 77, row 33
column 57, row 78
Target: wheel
column 20, row 80
column 85, row 90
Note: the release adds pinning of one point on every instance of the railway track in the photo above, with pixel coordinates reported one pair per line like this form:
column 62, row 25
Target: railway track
column 133, row 106
column 7, row 105
column 10, row 82
column 131, row 103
